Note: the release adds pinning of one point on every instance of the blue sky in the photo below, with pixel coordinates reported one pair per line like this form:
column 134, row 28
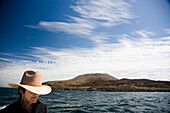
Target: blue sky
column 65, row 38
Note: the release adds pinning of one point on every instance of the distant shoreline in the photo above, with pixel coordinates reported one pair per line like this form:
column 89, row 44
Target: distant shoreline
column 92, row 90
column 107, row 83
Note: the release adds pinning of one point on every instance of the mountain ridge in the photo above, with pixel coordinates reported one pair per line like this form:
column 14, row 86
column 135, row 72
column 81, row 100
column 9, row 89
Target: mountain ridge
column 93, row 77
column 106, row 82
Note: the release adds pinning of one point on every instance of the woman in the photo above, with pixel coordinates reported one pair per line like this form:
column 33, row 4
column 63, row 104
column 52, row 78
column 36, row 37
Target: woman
column 29, row 90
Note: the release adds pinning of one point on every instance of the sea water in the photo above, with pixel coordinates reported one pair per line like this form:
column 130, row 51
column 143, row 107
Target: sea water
column 97, row 102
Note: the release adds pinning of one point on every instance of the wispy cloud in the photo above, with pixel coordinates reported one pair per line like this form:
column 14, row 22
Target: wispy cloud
column 129, row 58
column 4, row 59
column 167, row 31
column 134, row 55
column 77, row 28
column 110, row 12
column 143, row 33
column 92, row 15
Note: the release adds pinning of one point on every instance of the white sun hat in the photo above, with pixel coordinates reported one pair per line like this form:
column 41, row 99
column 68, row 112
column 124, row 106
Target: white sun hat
column 31, row 81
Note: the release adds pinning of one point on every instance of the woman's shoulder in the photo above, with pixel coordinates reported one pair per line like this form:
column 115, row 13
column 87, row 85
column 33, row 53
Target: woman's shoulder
column 13, row 105
column 10, row 106
column 40, row 107
column 13, row 108
column 38, row 103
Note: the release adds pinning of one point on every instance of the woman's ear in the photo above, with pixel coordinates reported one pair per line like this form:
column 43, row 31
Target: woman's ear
column 21, row 91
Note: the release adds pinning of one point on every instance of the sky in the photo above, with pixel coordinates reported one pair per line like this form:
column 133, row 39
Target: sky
column 66, row 38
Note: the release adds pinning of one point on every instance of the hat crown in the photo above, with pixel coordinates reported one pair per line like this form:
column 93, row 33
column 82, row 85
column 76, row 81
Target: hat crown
column 31, row 78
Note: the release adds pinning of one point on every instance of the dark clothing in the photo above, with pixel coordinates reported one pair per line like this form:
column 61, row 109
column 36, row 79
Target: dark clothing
column 16, row 107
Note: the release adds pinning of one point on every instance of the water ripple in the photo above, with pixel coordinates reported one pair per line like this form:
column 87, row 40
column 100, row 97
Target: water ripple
column 98, row 102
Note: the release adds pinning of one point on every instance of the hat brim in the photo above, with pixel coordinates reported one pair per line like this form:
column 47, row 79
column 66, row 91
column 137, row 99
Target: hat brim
column 42, row 90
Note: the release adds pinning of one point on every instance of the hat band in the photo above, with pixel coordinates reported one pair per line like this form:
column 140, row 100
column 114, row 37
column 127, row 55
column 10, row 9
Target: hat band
column 32, row 85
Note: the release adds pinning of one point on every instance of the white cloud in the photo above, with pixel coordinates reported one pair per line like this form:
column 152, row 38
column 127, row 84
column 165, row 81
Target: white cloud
column 130, row 58
column 5, row 59
column 134, row 56
column 93, row 14
column 78, row 28
column 143, row 33
column 167, row 31
column 111, row 11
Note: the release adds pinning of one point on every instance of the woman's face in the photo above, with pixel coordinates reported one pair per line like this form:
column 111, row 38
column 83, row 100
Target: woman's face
column 30, row 97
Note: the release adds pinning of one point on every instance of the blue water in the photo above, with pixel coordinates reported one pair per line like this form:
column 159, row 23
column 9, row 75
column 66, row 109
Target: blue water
column 97, row 102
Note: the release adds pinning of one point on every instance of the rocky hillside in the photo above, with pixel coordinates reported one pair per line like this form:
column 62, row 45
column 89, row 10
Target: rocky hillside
column 106, row 82
column 93, row 78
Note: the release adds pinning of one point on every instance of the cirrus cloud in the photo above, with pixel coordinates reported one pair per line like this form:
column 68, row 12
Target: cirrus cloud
column 93, row 14
column 129, row 58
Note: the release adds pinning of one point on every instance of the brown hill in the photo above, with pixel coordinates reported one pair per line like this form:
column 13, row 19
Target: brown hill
column 82, row 82
column 106, row 82
column 93, row 77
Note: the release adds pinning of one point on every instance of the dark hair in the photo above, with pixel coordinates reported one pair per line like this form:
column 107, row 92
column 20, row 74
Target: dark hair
column 19, row 93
